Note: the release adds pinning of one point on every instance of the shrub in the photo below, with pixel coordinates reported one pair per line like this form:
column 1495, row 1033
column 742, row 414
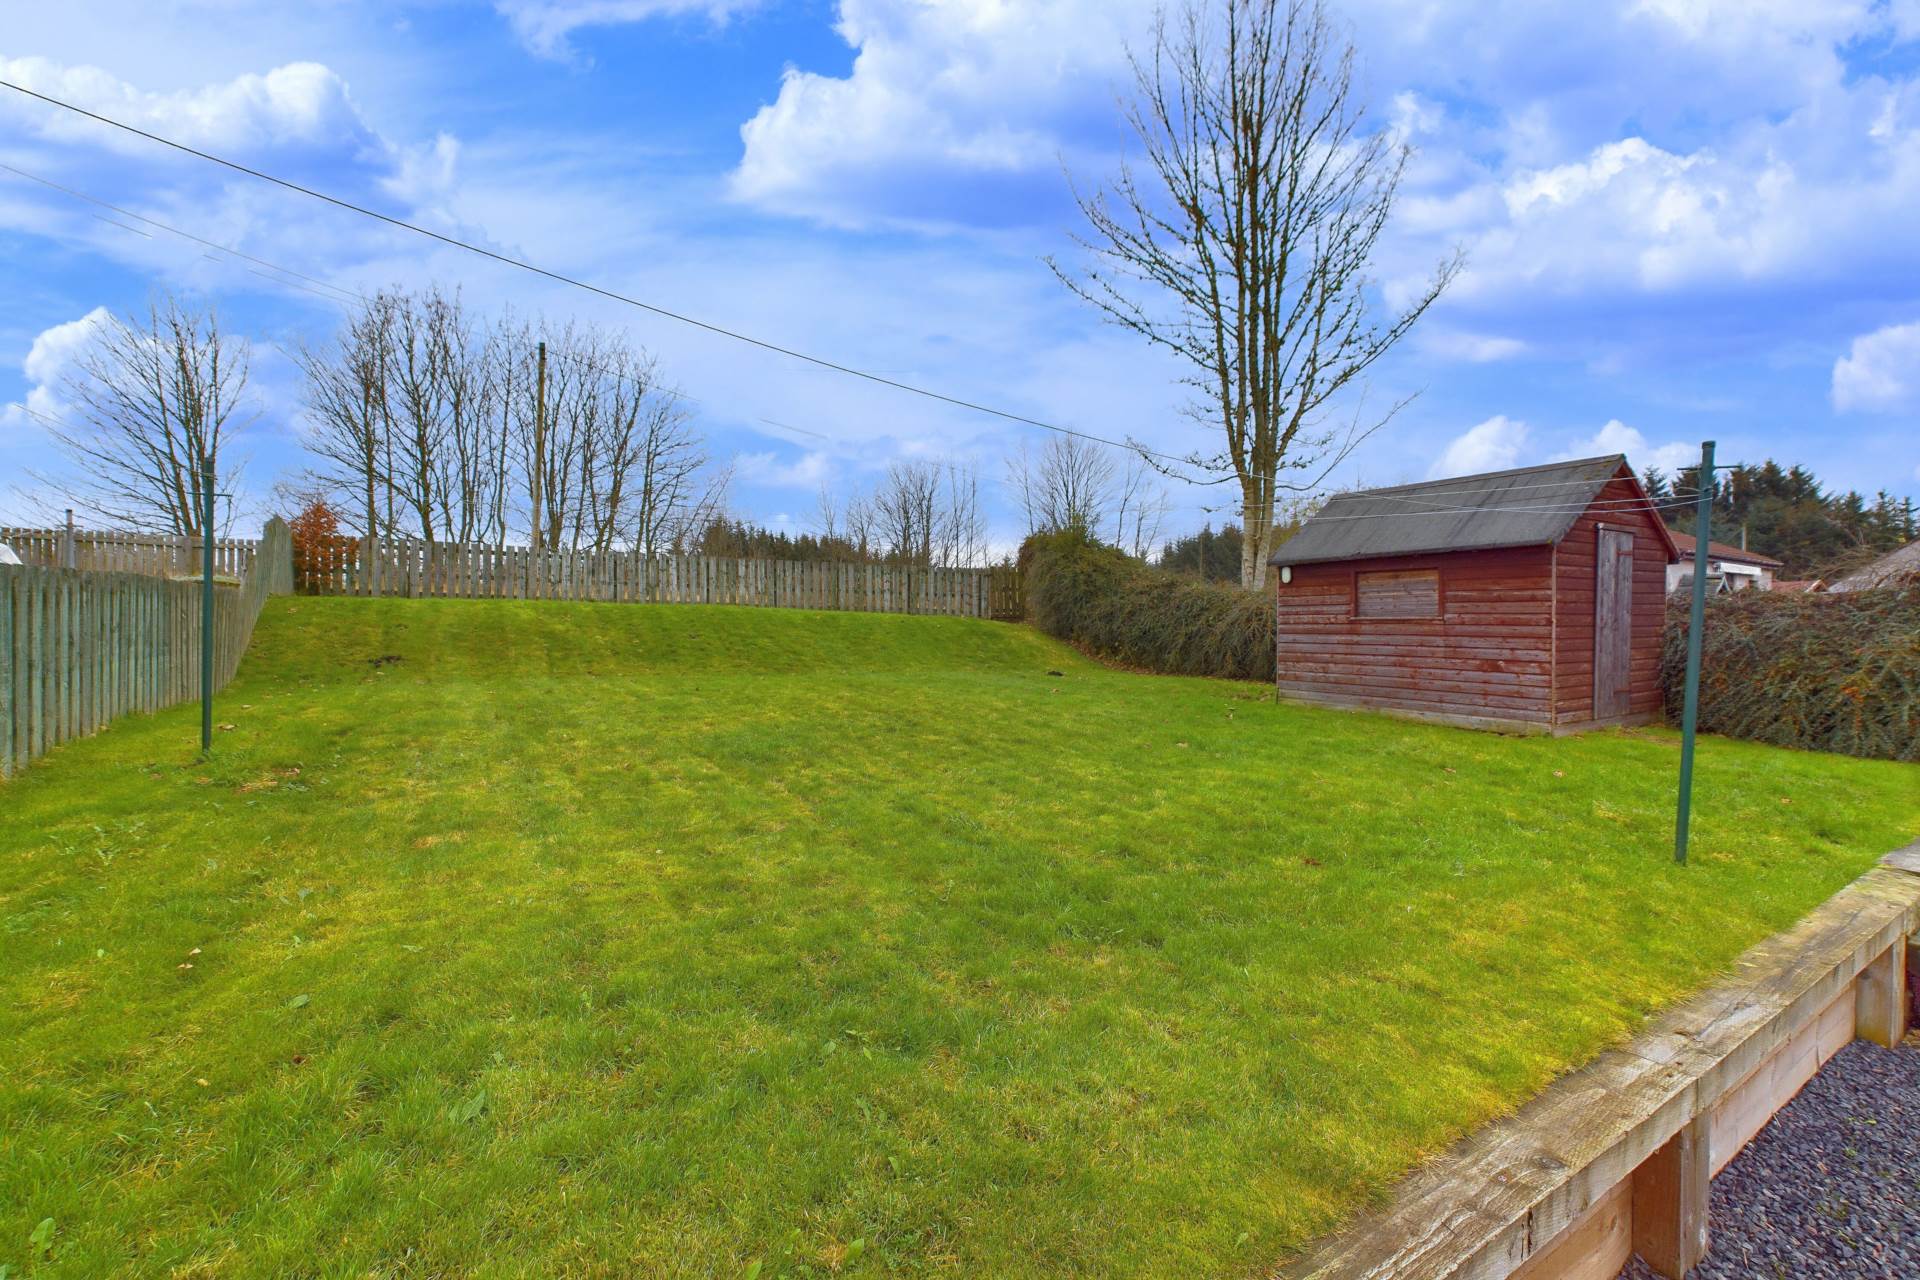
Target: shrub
column 1114, row 607
column 316, row 537
column 1825, row 672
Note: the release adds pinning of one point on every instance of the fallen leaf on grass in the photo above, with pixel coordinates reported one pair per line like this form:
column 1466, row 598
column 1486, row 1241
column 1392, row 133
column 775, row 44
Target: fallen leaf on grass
column 470, row 1110
column 300, row 1001
column 226, row 726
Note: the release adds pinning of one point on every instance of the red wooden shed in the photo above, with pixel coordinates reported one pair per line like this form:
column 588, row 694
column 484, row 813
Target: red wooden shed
column 1524, row 600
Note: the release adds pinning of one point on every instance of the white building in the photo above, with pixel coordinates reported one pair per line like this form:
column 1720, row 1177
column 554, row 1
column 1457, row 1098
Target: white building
column 1728, row 568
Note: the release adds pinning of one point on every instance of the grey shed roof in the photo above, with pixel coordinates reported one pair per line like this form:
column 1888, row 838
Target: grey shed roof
column 1532, row 506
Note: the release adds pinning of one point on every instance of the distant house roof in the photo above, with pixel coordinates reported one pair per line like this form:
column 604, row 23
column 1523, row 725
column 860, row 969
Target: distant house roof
column 1683, row 543
column 1895, row 564
column 1533, row 506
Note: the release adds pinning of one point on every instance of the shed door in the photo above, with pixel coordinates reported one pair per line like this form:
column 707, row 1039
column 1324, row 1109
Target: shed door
column 1612, row 623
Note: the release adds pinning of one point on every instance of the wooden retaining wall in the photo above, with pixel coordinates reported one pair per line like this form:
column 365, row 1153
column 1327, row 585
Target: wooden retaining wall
column 354, row 567
column 157, row 554
column 79, row 647
column 1615, row 1158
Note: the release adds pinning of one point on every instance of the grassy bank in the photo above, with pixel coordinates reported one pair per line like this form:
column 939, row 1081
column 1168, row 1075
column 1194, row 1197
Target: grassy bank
column 546, row 939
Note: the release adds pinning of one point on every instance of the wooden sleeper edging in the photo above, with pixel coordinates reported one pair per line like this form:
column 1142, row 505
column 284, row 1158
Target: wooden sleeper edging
column 1615, row 1157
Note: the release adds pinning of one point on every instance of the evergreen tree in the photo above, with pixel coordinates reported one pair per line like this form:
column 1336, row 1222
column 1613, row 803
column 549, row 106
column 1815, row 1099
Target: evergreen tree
column 1784, row 512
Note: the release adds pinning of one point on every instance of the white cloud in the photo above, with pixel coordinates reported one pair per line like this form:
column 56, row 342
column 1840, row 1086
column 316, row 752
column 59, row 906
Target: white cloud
column 48, row 361
column 1493, row 445
column 544, row 26
column 808, row 471
column 299, row 103
column 1473, row 348
column 1904, row 17
column 1881, row 373
column 424, row 173
column 945, row 105
column 1618, row 437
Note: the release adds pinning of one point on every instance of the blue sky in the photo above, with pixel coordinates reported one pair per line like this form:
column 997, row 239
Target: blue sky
column 1682, row 218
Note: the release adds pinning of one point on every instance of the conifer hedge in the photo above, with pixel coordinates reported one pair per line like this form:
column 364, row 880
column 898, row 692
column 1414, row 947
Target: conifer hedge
column 1837, row 672
column 1113, row 607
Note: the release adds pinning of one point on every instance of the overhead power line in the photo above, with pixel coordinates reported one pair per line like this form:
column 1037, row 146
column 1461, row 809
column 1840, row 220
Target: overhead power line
column 575, row 282
column 1656, row 505
column 339, row 295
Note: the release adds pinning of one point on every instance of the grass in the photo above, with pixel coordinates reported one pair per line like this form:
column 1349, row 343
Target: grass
column 533, row 939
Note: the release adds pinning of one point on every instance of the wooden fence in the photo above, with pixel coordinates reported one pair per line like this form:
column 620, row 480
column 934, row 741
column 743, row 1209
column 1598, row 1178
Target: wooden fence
column 159, row 554
column 79, row 647
column 350, row 566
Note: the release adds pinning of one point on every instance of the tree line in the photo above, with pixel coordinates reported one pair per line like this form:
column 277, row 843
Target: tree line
column 1785, row 512
column 1243, row 244
column 429, row 422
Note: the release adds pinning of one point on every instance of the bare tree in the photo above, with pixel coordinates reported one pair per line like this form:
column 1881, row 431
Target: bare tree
column 347, row 420
column 1070, row 485
column 908, row 512
column 861, row 522
column 417, row 403
column 1245, row 247
column 438, row 390
column 826, row 513
column 154, row 397
column 963, row 529
column 622, row 462
column 1139, row 509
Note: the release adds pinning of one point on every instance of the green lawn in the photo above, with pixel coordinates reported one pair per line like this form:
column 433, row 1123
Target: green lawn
column 536, row 939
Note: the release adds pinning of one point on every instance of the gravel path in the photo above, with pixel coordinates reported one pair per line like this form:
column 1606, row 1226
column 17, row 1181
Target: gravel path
column 1831, row 1187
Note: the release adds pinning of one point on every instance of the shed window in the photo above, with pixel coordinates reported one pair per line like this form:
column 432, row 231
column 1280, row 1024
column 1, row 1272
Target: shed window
column 1412, row 593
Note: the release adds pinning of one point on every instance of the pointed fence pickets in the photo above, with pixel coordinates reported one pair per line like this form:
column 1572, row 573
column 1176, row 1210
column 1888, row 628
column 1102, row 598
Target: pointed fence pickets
column 159, row 554
column 405, row 567
column 79, row 647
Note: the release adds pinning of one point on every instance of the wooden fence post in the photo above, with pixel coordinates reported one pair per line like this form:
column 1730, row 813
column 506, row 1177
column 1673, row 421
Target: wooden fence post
column 1880, row 998
column 1670, row 1202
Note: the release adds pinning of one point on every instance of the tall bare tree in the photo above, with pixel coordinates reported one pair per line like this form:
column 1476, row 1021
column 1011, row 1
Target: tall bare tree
column 1068, row 485
column 1139, row 509
column 347, row 420
column 154, row 396
column 439, row 386
column 1244, row 247
column 622, row 462
column 908, row 510
column 420, row 407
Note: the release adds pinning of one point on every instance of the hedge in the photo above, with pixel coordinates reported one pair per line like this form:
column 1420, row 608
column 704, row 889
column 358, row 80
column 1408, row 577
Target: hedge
column 1837, row 672
column 1113, row 607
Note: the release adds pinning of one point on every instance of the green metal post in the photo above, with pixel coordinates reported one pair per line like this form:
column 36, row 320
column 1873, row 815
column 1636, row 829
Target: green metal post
column 1697, row 620
column 206, row 605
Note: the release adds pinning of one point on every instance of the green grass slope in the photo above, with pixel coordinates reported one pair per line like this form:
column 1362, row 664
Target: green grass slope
column 534, row 939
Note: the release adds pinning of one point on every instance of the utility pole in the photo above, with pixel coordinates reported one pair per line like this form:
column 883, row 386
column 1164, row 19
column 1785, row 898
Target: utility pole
column 206, row 604
column 1690, row 712
column 69, row 551
column 539, row 441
